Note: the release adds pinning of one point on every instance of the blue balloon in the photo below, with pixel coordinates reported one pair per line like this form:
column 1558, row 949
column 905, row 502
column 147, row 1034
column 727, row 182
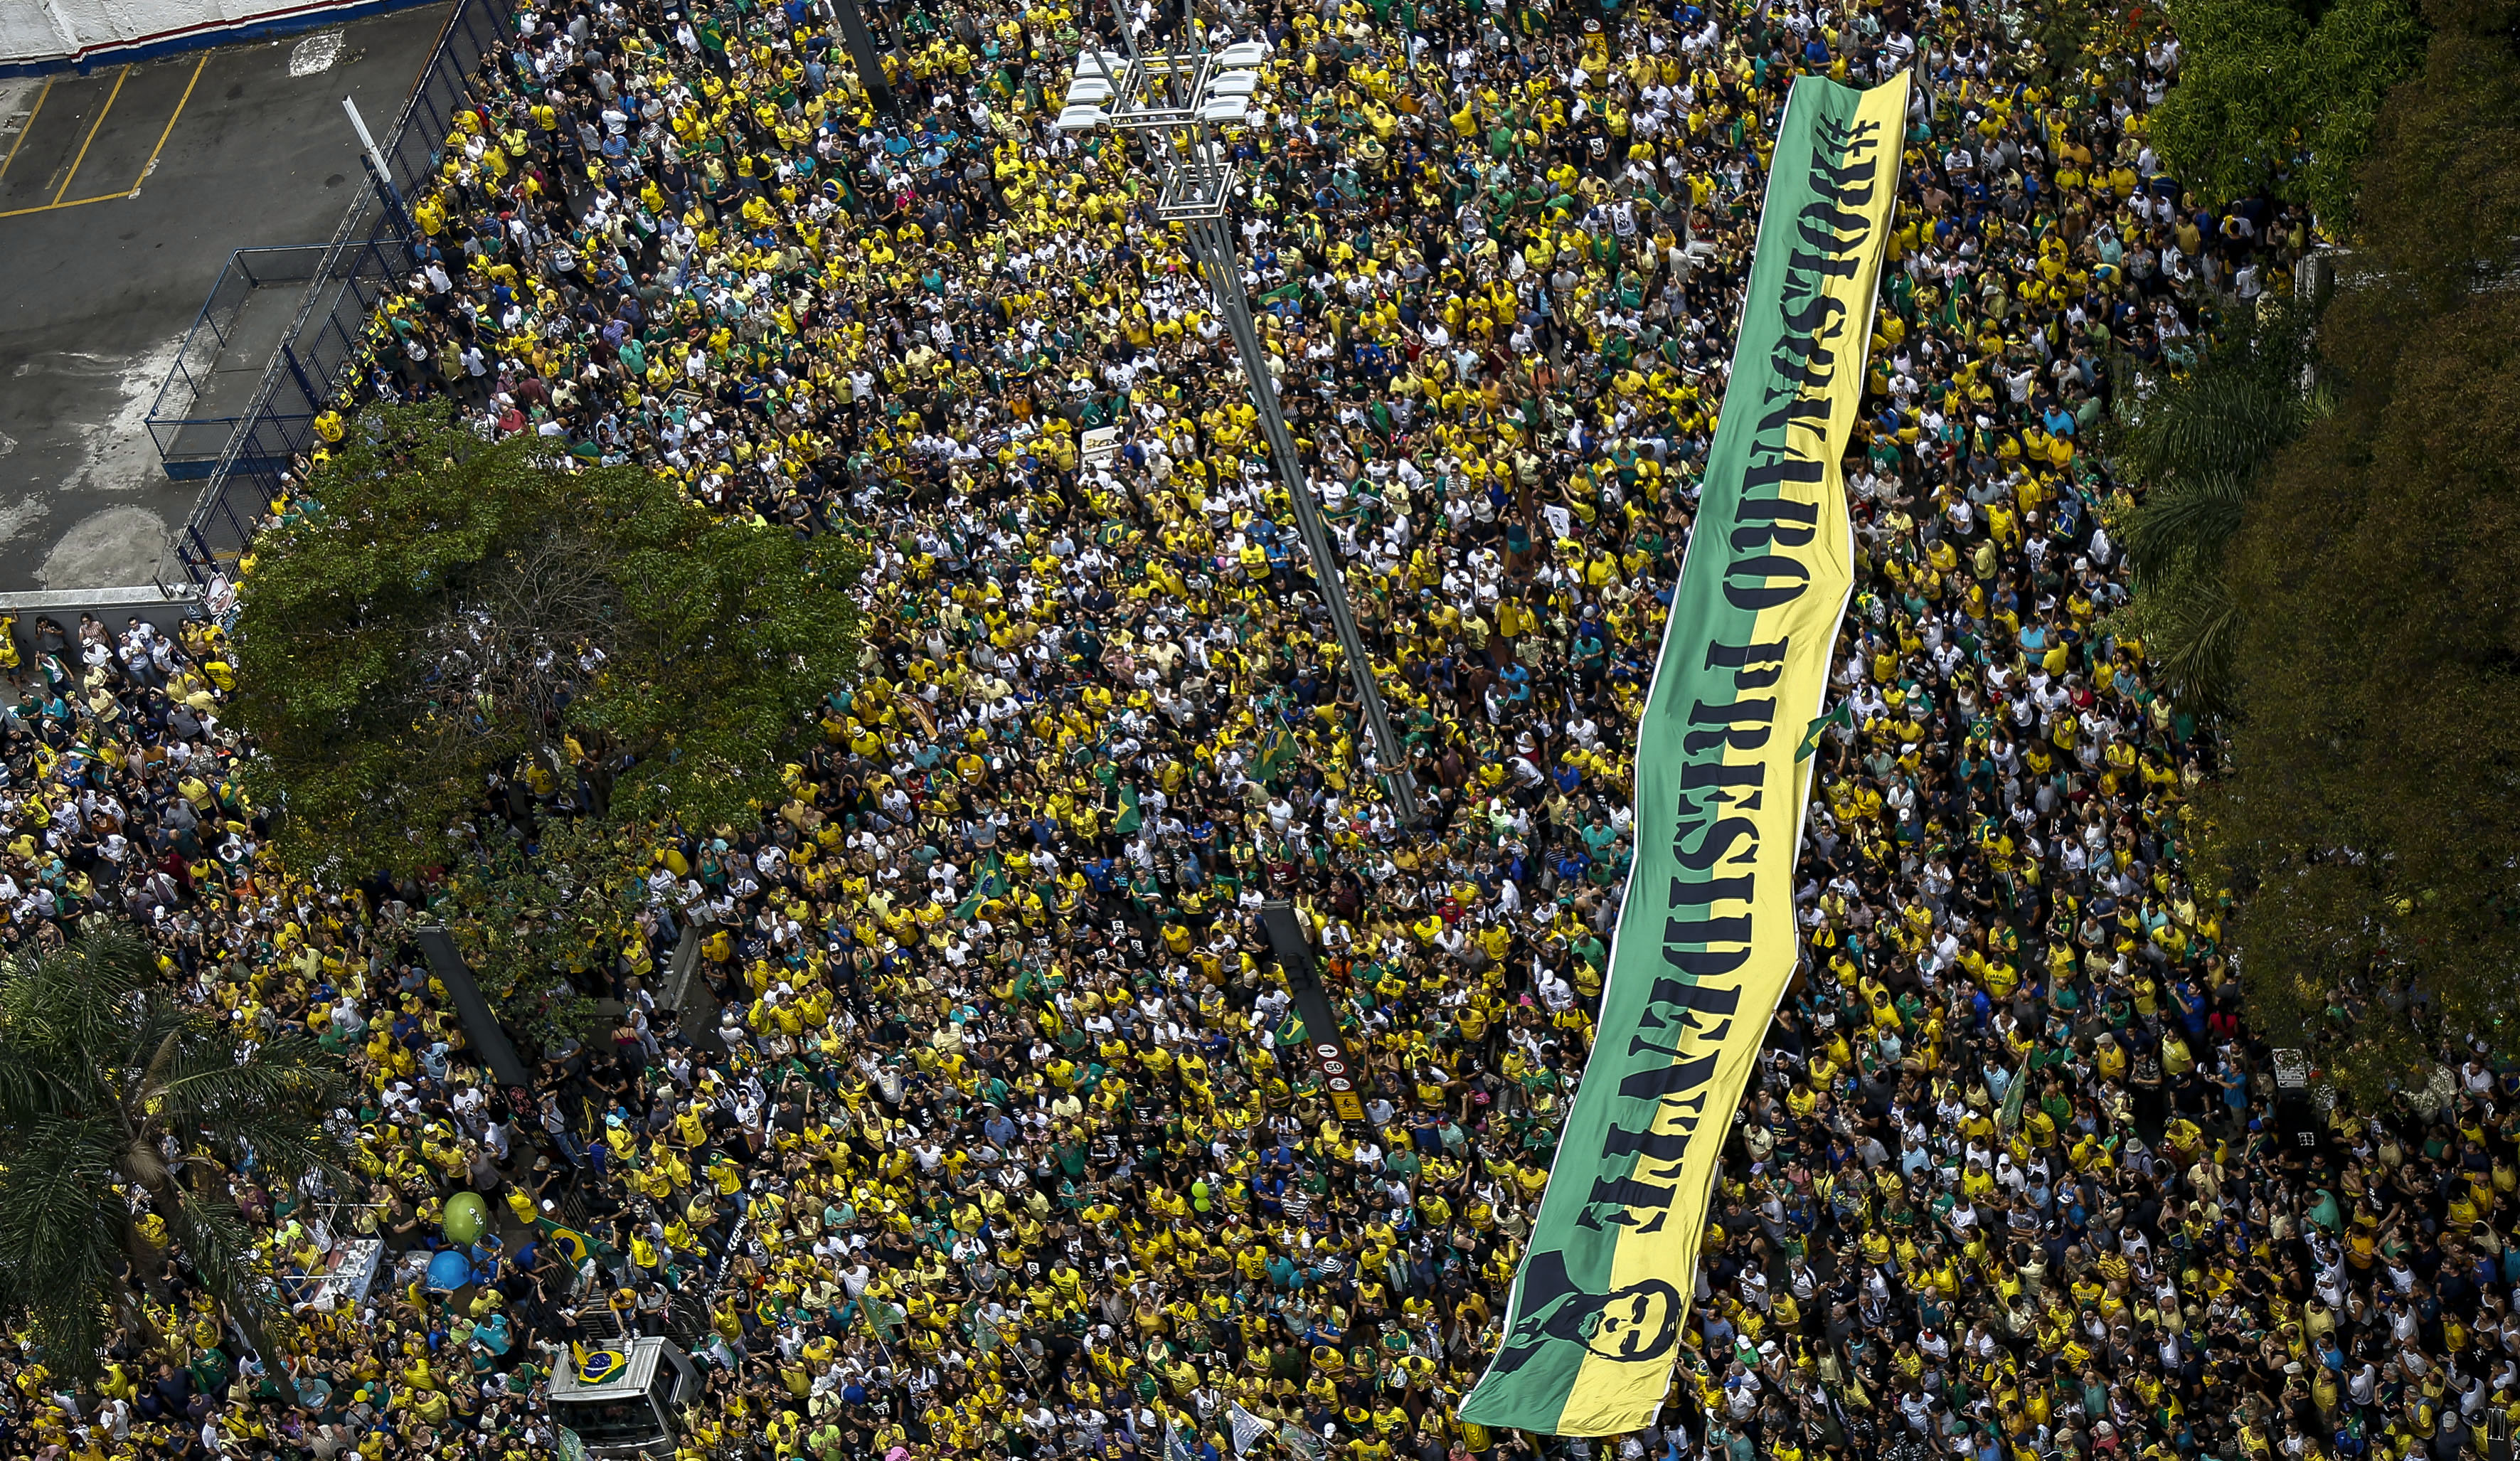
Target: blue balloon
column 449, row 1271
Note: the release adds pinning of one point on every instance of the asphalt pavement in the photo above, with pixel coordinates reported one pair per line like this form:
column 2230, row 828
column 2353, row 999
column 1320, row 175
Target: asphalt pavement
column 122, row 193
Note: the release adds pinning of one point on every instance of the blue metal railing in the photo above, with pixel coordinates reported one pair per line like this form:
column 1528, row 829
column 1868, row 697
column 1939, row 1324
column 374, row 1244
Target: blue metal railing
column 200, row 404
column 327, row 339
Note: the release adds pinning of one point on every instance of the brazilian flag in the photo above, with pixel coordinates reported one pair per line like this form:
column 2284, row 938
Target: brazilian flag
column 569, row 1241
column 1844, row 716
column 991, row 883
column 1277, row 751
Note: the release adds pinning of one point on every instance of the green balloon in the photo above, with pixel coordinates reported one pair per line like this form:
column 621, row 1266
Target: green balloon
column 466, row 1218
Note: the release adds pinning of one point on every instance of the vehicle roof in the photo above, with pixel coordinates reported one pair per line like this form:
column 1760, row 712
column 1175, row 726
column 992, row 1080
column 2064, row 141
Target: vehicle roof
column 640, row 1359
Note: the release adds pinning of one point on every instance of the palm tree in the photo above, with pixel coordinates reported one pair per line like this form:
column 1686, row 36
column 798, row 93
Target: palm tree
column 2198, row 443
column 118, row 1098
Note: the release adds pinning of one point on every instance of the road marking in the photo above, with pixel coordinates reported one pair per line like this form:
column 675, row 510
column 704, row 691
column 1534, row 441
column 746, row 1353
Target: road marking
column 27, row 126
column 152, row 164
column 93, row 128
column 76, row 202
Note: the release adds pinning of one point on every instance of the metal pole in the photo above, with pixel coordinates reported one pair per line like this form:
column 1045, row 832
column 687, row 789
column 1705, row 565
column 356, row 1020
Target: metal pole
column 481, row 1028
column 297, row 369
column 375, row 159
column 1285, row 936
column 1128, row 37
column 367, row 143
column 1212, row 240
column 861, row 43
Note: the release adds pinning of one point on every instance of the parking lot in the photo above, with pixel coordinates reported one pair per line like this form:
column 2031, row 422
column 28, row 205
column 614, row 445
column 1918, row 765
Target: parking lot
column 122, row 193
column 42, row 176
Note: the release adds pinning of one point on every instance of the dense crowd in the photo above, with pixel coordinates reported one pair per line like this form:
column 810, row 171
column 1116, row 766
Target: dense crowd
column 1002, row 1142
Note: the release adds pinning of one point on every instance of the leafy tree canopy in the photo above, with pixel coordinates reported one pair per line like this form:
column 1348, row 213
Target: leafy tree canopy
column 2370, row 826
column 2197, row 445
column 449, row 611
column 2282, row 95
column 532, row 918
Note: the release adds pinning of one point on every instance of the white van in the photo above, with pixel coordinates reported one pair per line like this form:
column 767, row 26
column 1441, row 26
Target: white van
column 625, row 1399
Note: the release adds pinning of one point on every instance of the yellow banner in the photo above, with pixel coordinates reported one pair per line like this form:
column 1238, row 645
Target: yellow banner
column 1706, row 940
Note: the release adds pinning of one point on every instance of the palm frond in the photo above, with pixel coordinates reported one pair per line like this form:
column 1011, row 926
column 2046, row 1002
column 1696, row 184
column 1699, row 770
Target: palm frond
column 2243, row 401
column 148, row 1023
column 2197, row 644
column 286, row 1084
column 66, row 1004
column 271, row 1106
column 29, row 1090
column 61, row 1235
column 2193, row 518
column 219, row 1248
column 99, row 1069
column 69, row 1332
column 2214, row 421
column 280, row 1158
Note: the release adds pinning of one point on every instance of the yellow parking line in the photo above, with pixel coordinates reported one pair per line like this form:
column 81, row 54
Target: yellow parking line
column 92, row 130
column 46, row 207
column 171, row 121
column 29, row 128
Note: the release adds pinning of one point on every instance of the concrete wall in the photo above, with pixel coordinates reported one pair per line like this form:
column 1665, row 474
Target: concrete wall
column 113, row 607
column 44, row 35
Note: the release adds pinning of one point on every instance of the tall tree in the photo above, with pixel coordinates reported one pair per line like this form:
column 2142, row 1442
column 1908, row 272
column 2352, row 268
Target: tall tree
column 447, row 611
column 2198, row 443
column 460, row 650
column 2282, row 95
column 120, row 1098
column 2369, row 823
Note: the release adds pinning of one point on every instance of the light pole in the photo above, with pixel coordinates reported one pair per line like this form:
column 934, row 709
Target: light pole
column 1179, row 97
column 861, row 50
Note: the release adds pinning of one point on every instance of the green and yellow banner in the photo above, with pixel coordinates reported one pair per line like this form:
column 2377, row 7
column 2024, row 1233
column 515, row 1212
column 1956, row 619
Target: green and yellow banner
column 1706, row 940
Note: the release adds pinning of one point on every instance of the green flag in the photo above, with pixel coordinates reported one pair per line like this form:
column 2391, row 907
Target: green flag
column 1130, row 816
column 1702, row 954
column 1277, row 748
column 2008, row 1119
column 1844, row 716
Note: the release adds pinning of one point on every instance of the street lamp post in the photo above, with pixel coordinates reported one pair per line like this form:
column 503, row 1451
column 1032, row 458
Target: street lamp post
column 1179, row 97
column 861, row 50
